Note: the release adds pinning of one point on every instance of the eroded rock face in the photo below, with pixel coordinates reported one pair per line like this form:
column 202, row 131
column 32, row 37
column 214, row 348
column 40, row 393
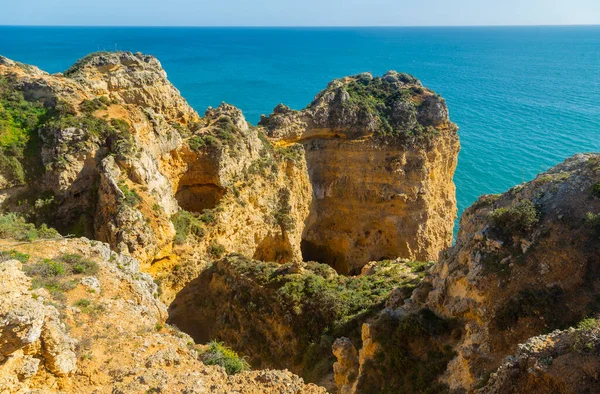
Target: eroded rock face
column 110, row 341
column 525, row 262
column 562, row 362
column 381, row 153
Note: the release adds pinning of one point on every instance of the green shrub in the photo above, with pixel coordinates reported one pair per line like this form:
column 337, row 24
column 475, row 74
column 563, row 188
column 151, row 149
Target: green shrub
column 282, row 215
column 19, row 120
column 6, row 255
column 587, row 324
column 219, row 354
column 376, row 97
column 84, row 302
column 216, row 250
column 208, row 216
column 530, row 302
column 89, row 307
column 408, row 370
column 592, row 220
column 519, row 217
column 89, row 106
column 186, row 224
column 79, row 264
column 595, row 190
column 199, row 142
column 130, row 196
column 14, row 226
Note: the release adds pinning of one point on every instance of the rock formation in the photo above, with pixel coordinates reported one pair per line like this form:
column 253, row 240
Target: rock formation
column 381, row 153
column 286, row 316
column 125, row 160
column 525, row 263
column 92, row 323
column 221, row 219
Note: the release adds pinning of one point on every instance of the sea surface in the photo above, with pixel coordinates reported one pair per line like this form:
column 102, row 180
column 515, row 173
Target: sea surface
column 525, row 98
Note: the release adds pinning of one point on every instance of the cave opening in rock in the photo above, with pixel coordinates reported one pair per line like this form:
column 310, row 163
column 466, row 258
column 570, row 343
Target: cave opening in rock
column 198, row 197
column 324, row 255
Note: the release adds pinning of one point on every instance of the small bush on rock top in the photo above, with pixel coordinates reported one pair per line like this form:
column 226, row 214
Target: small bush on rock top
column 219, row 354
column 519, row 217
column 587, row 324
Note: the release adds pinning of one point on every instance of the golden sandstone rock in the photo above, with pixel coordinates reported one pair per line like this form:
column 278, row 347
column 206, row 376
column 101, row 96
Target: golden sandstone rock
column 226, row 218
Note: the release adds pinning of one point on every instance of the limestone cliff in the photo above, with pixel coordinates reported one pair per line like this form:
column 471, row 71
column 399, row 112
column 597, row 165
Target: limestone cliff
column 114, row 153
column 525, row 263
column 111, row 151
column 381, row 153
column 76, row 317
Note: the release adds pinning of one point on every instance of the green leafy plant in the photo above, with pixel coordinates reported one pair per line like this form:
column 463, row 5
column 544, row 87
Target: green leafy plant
column 219, row 354
column 15, row 226
column 186, row 224
column 216, row 250
column 19, row 120
column 6, row 255
column 519, row 217
column 587, row 324
column 595, row 190
column 89, row 307
column 130, row 196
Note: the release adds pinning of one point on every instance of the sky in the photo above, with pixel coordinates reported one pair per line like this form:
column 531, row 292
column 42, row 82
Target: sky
column 299, row 12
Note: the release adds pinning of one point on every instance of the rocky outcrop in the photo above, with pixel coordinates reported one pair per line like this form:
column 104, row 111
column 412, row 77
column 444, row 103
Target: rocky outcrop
column 75, row 334
column 345, row 369
column 562, row 362
column 32, row 336
column 286, row 316
column 525, row 262
column 381, row 153
column 122, row 154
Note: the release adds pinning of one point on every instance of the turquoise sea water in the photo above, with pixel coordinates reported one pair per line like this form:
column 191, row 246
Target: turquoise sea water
column 525, row 98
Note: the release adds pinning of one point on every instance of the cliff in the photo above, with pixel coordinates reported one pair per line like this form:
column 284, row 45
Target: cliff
column 76, row 317
column 380, row 153
column 220, row 220
column 524, row 264
column 111, row 151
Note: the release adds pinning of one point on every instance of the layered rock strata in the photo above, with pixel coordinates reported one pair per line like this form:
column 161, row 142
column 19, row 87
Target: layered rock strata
column 381, row 153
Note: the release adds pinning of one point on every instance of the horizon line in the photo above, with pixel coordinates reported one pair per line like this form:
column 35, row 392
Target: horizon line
column 308, row 26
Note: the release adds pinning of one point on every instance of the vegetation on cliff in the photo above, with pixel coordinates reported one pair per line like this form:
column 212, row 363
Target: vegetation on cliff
column 19, row 120
column 219, row 354
column 306, row 306
column 14, row 226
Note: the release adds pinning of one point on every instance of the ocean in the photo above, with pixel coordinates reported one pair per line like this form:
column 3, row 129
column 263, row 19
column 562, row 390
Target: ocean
column 525, row 98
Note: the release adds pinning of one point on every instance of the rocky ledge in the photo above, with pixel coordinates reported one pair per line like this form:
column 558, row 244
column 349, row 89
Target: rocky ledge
column 77, row 317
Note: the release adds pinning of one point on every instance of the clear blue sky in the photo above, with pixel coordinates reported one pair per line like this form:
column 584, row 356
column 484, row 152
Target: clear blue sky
column 299, row 12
